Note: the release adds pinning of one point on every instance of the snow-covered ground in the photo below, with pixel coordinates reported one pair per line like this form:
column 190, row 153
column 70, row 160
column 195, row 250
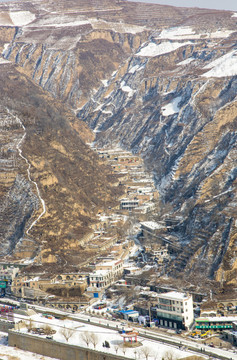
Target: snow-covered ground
column 157, row 350
column 226, row 65
column 128, row 90
column 16, row 18
column 4, row 61
column 153, row 49
column 186, row 32
column 171, row 108
column 186, row 61
column 117, row 27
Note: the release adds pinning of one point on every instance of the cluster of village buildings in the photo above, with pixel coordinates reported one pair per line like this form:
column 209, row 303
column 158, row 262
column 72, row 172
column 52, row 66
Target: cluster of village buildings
column 168, row 308
column 155, row 306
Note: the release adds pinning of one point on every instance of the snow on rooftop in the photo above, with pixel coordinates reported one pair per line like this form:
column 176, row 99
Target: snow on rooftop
column 151, row 224
column 217, row 318
column 171, row 108
column 234, row 15
column 153, row 49
column 226, row 65
column 174, row 295
column 99, row 272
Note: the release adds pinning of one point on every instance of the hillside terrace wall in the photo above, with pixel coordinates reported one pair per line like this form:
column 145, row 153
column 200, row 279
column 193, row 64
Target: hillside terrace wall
column 55, row 349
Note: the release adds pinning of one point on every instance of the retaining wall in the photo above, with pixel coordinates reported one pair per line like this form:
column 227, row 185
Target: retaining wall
column 56, row 349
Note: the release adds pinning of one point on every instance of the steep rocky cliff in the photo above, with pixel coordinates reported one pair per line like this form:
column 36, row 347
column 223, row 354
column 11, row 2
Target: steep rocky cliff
column 158, row 80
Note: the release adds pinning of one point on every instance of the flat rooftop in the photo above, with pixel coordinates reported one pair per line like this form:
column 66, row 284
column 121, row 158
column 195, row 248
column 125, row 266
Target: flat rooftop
column 174, row 295
column 151, row 225
column 217, row 319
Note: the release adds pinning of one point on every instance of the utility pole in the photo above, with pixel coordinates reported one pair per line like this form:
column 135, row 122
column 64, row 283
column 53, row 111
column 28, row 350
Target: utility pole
column 149, row 309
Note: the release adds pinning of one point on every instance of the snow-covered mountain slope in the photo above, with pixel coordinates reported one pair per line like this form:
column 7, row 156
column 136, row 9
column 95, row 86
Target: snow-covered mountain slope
column 160, row 81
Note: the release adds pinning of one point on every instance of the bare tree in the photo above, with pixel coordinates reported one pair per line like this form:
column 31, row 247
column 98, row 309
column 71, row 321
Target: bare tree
column 94, row 339
column 67, row 333
column 29, row 325
column 169, row 355
column 47, row 330
column 85, row 336
column 146, row 352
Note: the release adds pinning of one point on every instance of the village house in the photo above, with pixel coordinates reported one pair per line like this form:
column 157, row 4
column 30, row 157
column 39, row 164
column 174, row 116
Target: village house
column 104, row 275
column 175, row 310
column 35, row 286
column 150, row 231
column 8, row 274
column 114, row 266
column 231, row 335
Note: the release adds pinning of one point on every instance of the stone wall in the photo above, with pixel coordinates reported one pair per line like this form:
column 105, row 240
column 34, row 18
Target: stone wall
column 56, row 349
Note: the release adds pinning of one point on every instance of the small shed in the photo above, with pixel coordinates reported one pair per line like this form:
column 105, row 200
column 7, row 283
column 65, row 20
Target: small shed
column 129, row 314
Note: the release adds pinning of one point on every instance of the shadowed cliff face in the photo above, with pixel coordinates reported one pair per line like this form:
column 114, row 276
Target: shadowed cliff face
column 158, row 80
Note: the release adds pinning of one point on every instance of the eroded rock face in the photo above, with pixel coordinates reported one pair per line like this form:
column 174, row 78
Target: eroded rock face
column 51, row 183
column 155, row 79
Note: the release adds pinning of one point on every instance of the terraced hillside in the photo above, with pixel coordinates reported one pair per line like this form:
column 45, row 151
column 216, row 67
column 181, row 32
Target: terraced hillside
column 158, row 80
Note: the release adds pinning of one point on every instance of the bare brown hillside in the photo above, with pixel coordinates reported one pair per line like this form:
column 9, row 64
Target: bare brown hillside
column 71, row 179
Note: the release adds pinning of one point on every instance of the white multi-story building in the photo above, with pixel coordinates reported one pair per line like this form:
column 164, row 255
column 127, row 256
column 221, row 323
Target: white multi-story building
column 105, row 274
column 8, row 273
column 115, row 266
column 100, row 279
column 175, row 310
column 129, row 204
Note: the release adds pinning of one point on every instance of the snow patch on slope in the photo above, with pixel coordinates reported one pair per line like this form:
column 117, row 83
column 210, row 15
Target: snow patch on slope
column 186, row 32
column 186, row 61
column 171, row 108
column 4, row 61
column 117, row 27
column 177, row 33
column 21, row 18
column 16, row 18
column 135, row 68
column 226, row 65
column 128, row 90
column 153, row 49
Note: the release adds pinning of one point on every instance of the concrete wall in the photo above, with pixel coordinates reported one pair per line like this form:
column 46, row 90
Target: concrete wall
column 55, row 349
